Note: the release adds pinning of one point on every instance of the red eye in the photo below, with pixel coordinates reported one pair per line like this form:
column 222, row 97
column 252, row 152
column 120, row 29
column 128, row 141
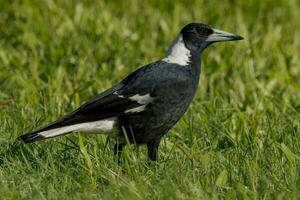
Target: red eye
column 202, row 31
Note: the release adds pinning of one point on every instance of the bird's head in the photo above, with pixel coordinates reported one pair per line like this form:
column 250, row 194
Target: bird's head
column 197, row 36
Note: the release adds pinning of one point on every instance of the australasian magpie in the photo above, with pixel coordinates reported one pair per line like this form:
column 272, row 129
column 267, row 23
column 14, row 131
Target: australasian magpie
column 147, row 103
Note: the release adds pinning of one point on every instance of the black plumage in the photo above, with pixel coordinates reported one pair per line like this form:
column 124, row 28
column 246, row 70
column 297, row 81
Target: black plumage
column 148, row 102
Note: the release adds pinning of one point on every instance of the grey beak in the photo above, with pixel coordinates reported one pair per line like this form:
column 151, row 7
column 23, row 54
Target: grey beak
column 218, row 36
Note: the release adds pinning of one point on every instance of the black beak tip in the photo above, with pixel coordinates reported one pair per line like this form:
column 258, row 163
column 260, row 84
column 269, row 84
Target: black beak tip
column 238, row 37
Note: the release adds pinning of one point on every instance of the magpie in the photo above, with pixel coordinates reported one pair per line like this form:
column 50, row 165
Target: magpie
column 143, row 107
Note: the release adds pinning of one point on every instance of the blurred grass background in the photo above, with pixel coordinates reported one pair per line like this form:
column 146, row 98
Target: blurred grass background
column 239, row 139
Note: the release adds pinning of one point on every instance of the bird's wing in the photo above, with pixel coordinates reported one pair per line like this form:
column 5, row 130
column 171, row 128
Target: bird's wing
column 122, row 99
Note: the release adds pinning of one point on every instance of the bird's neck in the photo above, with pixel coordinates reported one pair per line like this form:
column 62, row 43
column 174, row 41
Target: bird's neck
column 195, row 65
column 180, row 54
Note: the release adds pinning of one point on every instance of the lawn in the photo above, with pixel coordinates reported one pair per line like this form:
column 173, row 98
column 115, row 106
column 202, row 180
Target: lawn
column 240, row 138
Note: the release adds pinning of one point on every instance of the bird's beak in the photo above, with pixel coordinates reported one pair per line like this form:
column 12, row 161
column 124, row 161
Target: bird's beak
column 218, row 36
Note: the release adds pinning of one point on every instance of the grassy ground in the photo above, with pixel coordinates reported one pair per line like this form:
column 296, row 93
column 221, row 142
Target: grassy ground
column 239, row 139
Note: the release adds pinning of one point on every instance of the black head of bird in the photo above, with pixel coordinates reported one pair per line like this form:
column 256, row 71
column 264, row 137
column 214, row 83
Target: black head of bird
column 197, row 36
column 143, row 107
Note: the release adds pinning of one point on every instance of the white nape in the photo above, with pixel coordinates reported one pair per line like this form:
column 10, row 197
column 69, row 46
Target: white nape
column 178, row 53
column 88, row 127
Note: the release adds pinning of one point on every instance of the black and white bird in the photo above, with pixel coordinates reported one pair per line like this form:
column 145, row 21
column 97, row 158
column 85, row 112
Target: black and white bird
column 148, row 102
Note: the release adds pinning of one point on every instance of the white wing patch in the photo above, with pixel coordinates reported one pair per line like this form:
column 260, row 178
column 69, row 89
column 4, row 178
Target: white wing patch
column 88, row 127
column 178, row 53
column 120, row 96
column 136, row 109
column 144, row 100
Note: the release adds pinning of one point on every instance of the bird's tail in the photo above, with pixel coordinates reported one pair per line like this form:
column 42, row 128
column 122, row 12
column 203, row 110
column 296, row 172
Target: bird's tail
column 56, row 129
column 31, row 137
column 48, row 133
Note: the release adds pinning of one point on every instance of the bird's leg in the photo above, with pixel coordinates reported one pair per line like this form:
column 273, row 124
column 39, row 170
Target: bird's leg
column 118, row 148
column 152, row 150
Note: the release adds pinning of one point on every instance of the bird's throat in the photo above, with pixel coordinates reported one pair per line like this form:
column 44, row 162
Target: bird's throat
column 195, row 65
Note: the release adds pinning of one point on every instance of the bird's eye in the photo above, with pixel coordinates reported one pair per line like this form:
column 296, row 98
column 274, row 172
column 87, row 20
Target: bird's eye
column 202, row 31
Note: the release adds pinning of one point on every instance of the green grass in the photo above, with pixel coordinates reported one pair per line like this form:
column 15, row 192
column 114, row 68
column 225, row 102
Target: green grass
column 239, row 139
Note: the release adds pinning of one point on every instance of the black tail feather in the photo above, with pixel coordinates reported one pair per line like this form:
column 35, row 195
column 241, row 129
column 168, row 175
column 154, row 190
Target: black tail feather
column 31, row 137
